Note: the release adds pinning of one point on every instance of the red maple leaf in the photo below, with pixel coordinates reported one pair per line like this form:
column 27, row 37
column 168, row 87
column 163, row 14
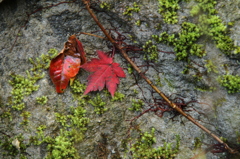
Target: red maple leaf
column 66, row 65
column 105, row 72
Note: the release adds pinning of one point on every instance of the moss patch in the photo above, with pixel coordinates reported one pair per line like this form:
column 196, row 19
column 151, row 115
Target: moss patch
column 143, row 147
column 230, row 82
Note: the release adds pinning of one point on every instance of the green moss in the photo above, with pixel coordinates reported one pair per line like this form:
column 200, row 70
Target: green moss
column 24, row 86
column 25, row 116
column 75, row 119
column 224, row 139
column 213, row 26
column 136, row 105
column 117, row 97
column 138, row 23
column 77, row 90
column 21, row 87
column 130, row 69
column 62, row 147
column 195, row 10
column 78, row 118
column 151, row 51
column 130, row 10
column 197, row 143
column 143, row 147
column 105, row 5
column 72, row 126
column 205, row 88
column 7, row 148
column 98, row 104
column 230, row 82
column 236, row 50
column 72, row 129
column 158, row 26
column 12, row 147
column 77, row 87
column 185, row 42
column 168, row 9
column 210, row 66
column 62, row 119
column 219, row 102
column 40, row 138
column 42, row 100
column 6, row 114
column 43, row 62
column 238, row 137
column 204, row 6
column 135, row 91
column 158, row 81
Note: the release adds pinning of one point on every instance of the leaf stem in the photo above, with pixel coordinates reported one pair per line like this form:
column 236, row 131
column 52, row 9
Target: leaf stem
column 173, row 105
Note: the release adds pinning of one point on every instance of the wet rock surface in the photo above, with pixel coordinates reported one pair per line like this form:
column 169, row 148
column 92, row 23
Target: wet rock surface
column 28, row 31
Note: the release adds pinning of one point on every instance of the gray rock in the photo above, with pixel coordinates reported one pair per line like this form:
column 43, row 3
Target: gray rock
column 25, row 36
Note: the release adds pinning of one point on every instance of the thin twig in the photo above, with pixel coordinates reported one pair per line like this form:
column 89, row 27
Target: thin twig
column 173, row 105
column 92, row 35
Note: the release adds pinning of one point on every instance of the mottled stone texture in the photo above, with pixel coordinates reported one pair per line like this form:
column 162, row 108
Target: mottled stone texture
column 49, row 28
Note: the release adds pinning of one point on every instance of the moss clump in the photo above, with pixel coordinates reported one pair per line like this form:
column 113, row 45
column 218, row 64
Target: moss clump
column 25, row 116
column 105, row 5
column 231, row 82
column 130, row 69
column 207, row 6
column 158, row 81
column 205, row 88
column 130, row 10
column 76, row 118
column 98, row 104
column 77, row 87
column 213, row 26
column 152, row 51
column 42, row 100
column 138, row 22
column 43, row 62
column 136, row 105
column 118, row 97
column 62, row 147
column 197, row 143
column 24, row 86
column 210, row 66
column 6, row 114
column 77, row 90
column 185, row 42
column 72, row 129
column 21, row 87
column 142, row 147
column 168, row 9
column 39, row 139
column 61, row 118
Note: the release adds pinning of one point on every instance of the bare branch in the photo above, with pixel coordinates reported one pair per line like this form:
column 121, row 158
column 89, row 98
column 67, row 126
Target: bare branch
column 173, row 105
